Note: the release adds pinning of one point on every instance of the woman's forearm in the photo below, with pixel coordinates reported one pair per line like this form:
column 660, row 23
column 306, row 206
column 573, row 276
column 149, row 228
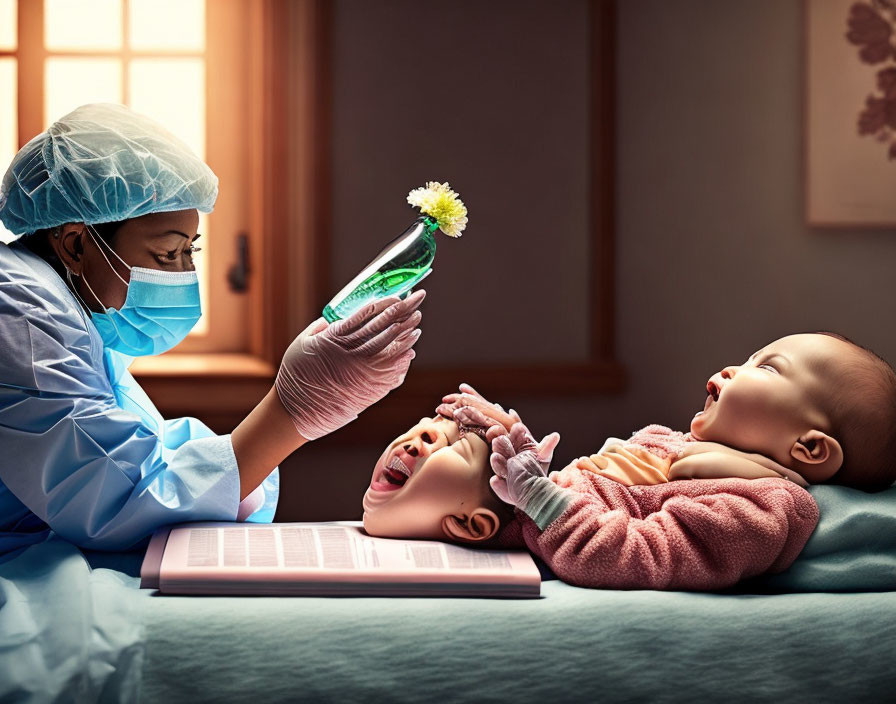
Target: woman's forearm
column 262, row 441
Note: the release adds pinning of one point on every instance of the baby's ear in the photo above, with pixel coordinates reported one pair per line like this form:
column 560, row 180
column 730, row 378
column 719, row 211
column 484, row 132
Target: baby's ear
column 818, row 456
column 481, row 525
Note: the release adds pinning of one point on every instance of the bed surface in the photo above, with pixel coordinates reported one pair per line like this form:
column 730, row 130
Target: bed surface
column 78, row 623
column 571, row 645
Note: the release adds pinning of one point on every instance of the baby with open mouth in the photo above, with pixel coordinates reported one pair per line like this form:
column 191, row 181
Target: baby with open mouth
column 433, row 482
column 805, row 409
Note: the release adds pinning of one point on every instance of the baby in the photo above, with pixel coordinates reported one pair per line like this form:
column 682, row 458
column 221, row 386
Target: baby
column 805, row 409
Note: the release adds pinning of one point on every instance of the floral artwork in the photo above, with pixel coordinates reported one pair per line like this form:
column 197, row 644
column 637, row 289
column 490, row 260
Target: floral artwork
column 850, row 113
column 871, row 28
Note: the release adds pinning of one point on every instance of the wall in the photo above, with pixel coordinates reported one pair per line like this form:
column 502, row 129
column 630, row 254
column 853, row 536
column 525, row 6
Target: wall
column 714, row 258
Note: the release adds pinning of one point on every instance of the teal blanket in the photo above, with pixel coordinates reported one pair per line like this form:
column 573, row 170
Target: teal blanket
column 853, row 547
column 573, row 645
column 76, row 627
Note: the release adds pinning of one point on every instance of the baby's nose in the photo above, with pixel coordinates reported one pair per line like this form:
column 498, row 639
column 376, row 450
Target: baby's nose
column 422, row 443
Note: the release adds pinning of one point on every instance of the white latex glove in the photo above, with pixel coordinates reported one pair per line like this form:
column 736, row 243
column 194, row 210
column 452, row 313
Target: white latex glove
column 330, row 373
column 521, row 479
column 472, row 408
column 468, row 397
column 473, row 416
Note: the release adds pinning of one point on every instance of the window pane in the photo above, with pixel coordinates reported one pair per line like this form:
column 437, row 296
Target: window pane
column 167, row 24
column 82, row 24
column 8, row 123
column 8, row 24
column 75, row 81
column 172, row 91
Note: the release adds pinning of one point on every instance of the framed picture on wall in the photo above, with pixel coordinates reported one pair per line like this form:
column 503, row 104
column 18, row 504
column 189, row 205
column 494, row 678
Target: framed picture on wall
column 851, row 112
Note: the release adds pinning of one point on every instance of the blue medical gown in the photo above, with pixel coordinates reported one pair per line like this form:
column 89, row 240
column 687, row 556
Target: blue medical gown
column 83, row 451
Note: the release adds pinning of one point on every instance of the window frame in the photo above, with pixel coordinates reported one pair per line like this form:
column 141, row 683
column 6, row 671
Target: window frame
column 289, row 118
column 600, row 373
column 189, row 381
column 301, row 131
column 288, row 115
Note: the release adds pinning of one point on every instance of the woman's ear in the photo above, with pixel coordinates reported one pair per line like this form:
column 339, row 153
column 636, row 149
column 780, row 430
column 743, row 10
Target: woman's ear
column 481, row 525
column 68, row 244
column 818, row 456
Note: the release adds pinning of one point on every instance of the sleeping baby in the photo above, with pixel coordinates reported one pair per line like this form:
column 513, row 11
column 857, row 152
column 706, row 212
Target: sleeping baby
column 804, row 409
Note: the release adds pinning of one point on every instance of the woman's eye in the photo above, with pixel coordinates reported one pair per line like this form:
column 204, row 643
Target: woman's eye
column 167, row 258
column 768, row 366
column 173, row 255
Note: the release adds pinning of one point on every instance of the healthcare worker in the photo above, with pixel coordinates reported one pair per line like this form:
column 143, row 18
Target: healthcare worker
column 108, row 201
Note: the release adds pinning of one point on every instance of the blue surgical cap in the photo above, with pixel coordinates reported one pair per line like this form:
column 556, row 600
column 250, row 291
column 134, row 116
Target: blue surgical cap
column 102, row 163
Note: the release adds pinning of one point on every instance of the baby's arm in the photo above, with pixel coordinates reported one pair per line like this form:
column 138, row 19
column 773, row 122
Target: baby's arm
column 626, row 465
column 710, row 460
column 679, row 535
column 718, row 465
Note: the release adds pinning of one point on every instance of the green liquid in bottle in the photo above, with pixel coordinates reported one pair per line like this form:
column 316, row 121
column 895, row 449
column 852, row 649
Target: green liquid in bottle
column 394, row 272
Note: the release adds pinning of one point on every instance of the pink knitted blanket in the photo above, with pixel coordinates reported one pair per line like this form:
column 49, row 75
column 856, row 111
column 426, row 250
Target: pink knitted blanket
column 661, row 441
column 696, row 534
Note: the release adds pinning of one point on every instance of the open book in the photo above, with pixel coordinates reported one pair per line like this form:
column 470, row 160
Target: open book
column 326, row 559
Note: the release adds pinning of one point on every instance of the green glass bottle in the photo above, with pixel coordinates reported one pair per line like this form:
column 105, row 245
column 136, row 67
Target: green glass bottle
column 393, row 272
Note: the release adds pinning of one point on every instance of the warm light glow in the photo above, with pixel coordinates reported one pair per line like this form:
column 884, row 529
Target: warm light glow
column 8, row 24
column 72, row 82
column 8, row 99
column 167, row 24
column 82, row 24
column 172, row 91
column 8, row 123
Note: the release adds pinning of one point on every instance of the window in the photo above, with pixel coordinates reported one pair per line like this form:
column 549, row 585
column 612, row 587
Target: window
column 215, row 74
column 148, row 54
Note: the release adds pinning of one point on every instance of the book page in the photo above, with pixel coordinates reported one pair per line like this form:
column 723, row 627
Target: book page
column 330, row 547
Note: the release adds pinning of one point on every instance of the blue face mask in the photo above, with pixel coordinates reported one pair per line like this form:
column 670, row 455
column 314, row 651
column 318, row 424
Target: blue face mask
column 160, row 308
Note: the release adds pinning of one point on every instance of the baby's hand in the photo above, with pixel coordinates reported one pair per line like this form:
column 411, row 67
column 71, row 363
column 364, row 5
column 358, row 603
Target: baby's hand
column 543, row 449
column 592, row 463
column 517, row 468
column 468, row 397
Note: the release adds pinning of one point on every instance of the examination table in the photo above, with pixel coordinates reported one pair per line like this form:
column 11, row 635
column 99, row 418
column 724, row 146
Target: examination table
column 75, row 626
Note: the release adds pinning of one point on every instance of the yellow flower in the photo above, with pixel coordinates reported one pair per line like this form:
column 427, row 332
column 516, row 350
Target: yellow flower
column 441, row 203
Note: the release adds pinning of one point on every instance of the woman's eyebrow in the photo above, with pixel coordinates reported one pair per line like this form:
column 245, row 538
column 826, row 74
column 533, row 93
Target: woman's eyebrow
column 172, row 232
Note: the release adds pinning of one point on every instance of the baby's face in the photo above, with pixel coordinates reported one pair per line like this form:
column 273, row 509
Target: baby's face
column 764, row 404
column 426, row 474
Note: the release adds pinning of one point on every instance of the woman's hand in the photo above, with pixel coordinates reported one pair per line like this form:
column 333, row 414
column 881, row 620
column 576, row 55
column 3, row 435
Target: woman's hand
column 331, row 373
